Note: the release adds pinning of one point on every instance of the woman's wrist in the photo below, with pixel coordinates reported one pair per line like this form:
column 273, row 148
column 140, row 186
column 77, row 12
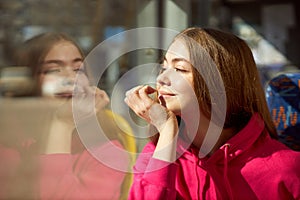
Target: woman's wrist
column 167, row 142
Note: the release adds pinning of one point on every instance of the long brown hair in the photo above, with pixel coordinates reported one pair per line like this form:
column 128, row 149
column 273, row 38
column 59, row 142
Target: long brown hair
column 236, row 66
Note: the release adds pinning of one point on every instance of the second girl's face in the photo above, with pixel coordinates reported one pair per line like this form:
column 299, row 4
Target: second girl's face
column 60, row 68
column 175, row 82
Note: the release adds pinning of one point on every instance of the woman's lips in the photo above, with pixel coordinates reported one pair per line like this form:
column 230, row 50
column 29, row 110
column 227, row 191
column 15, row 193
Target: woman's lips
column 64, row 95
column 165, row 94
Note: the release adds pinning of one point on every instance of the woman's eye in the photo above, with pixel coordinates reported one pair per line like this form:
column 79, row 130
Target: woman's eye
column 162, row 69
column 51, row 71
column 177, row 69
column 80, row 70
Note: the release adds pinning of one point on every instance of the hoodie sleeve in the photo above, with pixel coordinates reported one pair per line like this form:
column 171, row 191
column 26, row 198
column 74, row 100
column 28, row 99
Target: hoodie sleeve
column 290, row 180
column 81, row 176
column 153, row 178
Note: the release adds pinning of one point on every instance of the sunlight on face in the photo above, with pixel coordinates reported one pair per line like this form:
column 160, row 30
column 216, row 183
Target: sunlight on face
column 175, row 82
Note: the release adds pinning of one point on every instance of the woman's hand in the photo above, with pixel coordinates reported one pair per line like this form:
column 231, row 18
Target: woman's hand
column 62, row 126
column 89, row 102
column 159, row 116
column 86, row 101
column 149, row 109
column 101, row 99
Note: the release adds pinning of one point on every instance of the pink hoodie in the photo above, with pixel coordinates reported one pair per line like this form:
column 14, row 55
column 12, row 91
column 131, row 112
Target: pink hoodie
column 77, row 176
column 82, row 176
column 250, row 165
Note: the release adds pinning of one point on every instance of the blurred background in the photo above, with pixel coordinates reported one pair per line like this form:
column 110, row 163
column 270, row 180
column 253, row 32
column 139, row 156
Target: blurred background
column 271, row 27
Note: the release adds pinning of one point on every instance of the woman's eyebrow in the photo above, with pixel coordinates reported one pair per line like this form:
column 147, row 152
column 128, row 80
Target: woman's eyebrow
column 174, row 60
column 78, row 60
column 179, row 60
column 60, row 62
column 52, row 61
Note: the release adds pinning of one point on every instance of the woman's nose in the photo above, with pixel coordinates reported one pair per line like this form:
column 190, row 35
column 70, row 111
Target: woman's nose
column 163, row 78
column 68, row 72
column 68, row 75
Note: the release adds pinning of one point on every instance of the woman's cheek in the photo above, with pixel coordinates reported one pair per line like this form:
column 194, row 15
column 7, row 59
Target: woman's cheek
column 51, row 85
column 186, row 94
column 182, row 85
column 82, row 80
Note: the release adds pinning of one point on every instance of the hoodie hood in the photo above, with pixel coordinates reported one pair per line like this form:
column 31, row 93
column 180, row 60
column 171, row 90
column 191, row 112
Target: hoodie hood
column 241, row 142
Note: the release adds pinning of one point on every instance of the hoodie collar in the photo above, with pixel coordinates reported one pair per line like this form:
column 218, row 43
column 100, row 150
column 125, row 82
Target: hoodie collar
column 234, row 146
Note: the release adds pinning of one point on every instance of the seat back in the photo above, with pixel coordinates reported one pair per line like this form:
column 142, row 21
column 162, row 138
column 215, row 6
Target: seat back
column 127, row 139
column 283, row 98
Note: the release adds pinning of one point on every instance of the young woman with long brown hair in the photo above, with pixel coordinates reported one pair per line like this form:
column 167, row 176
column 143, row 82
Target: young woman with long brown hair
column 215, row 137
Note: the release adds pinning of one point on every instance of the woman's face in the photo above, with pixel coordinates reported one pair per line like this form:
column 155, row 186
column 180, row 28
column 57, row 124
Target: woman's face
column 60, row 68
column 175, row 82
